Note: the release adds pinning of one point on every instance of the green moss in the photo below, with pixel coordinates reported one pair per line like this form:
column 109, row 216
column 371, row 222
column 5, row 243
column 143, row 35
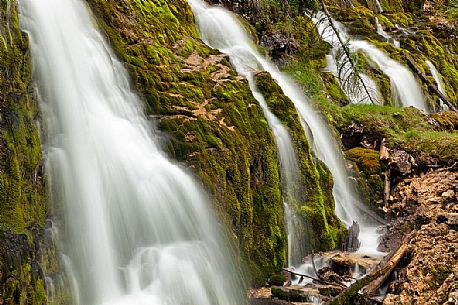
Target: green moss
column 369, row 170
column 366, row 159
column 447, row 120
column 316, row 204
column 22, row 200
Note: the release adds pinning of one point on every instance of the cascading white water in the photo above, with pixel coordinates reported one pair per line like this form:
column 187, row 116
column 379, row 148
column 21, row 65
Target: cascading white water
column 137, row 229
column 339, row 64
column 379, row 6
column 440, row 84
column 221, row 30
column 385, row 35
column 214, row 23
column 404, row 87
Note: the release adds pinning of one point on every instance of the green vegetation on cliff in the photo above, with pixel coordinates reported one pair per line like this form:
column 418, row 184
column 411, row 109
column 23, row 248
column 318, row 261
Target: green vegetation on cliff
column 22, row 194
column 317, row 203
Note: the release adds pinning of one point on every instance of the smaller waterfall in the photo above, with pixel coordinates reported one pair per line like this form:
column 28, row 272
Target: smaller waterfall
column 404, row 31
column 385, row 35
column 405, row 89
column 440, row 84
column 379, row 6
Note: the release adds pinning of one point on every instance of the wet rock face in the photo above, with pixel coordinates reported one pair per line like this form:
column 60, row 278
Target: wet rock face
column 20, row 271
column 279, row 43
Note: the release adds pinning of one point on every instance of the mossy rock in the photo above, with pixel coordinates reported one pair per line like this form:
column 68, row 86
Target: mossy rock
column 277, row 280
column 367, row 160
column 446, row 120
column 369, row 170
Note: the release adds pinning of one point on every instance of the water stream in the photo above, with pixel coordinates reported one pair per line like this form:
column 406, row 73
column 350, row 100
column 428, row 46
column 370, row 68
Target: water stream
column 379, row 6
column 385, row 35
column 137, row 229
column 440, row 84
column 221, row 30
column 339, row 64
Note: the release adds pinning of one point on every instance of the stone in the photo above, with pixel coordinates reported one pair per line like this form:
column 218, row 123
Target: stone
column 352, row 242
column 401, row 162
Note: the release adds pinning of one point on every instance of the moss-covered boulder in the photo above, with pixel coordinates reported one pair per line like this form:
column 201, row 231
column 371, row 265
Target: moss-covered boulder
column 369, row 170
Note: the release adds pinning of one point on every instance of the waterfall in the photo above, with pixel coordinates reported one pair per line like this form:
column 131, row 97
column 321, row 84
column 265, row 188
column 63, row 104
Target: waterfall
column 440, row 84
column 221, row 30
column 405, row 89
column 379, row 6
column 213, row 25
column 385, row 35
column 137, row 229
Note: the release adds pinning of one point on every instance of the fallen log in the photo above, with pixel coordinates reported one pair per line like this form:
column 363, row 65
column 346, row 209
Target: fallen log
column 374, row 286
column 431, row 87
column 373, row 280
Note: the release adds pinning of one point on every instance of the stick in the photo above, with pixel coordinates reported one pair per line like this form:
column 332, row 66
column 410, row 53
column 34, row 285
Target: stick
column 430, row 85
column 314, row 278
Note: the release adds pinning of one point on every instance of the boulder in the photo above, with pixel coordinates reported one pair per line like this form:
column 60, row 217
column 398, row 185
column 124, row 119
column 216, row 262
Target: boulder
column 401, row 162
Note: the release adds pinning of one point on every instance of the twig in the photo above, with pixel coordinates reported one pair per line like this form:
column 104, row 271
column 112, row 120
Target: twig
column 314, row 278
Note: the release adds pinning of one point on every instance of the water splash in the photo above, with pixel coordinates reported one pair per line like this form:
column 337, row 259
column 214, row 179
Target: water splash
column 138, row 230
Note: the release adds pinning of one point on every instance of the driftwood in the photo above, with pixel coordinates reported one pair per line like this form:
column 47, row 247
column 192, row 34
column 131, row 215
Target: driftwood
column 374, row 286
column 374, row 279
column 314, row 278
column 346, row 50
column 387, row 187
column 431, row 87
